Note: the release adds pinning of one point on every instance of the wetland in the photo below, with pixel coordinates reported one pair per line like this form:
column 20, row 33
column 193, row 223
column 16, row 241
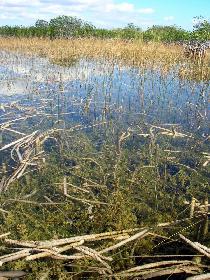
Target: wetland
column 99, row 137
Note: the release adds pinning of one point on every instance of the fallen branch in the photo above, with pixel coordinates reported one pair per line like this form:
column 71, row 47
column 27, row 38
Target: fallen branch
column 200, row 277
column 122, row 243
column 15, row 256
column 59, row 242
column 195, row 246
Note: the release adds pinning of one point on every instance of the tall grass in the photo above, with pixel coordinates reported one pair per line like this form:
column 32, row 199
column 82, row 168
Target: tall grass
column 62, row 49
column 136, row 53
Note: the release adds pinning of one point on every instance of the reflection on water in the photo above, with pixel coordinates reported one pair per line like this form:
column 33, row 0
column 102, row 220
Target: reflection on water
column 104, row 90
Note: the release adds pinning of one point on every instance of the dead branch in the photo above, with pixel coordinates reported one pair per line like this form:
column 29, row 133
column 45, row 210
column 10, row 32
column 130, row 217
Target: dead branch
column 59, row 242
column 12, row 274
column 122, row 243
column 14, row 256
column 200, row 277
column 195, row 246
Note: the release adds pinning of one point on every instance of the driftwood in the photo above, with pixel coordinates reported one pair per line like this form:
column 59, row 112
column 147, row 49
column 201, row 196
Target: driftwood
column 16, row 256
column 55, row 248
column 202, row 247
column 23, row 140
column 12, row 274
column 158, row 269
column 200, row 277
column 196, row 246
column 64, row 241
column 154, row 265
column 80, row 247
column 4, row 235
column 54, row 252
column 172, row 271
column 122, row 243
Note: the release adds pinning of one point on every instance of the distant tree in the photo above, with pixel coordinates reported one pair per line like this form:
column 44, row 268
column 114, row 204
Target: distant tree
column 166, row 33
column 201, row 24
column 132, row 26
column 201, row 28
column 68, row 26
column 41, row 23
column 130, row 31
column 86, row 30
column 65, row 26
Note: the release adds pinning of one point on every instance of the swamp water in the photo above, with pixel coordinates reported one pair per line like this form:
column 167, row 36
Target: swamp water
column 113, row 97
column 105, row 89
column 106, row 123
column 101, row 91
column 100, row 146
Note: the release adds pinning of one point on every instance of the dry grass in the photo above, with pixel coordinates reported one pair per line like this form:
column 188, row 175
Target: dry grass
column 153, row 55
column 64, row 50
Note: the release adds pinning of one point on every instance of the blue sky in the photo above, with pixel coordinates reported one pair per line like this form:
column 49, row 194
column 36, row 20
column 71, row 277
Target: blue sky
column 106, row 13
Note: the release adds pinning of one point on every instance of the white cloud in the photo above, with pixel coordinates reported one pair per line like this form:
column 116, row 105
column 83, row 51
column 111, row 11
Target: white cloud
column 19, row 3
column 122, row 7
column 146, row 11
column 168, row 18
column 101, row 13
column 7, row 16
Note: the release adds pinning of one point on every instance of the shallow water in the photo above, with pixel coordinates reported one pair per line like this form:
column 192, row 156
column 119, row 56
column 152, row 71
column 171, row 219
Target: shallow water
column 104, row 90
column 132, row 144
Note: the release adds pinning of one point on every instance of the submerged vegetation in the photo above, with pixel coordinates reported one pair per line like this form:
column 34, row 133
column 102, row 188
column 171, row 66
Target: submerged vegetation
column 107, row 139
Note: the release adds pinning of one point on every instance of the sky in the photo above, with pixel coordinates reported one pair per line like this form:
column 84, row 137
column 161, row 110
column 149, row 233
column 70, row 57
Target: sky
column 106, row 13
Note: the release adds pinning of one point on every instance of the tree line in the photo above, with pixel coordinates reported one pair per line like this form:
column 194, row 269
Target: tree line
column 73, row 27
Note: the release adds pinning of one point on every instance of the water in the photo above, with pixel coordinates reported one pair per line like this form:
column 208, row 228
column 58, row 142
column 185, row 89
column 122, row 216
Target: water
column 91, row 93
column 101, row 146
column 103, row 88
